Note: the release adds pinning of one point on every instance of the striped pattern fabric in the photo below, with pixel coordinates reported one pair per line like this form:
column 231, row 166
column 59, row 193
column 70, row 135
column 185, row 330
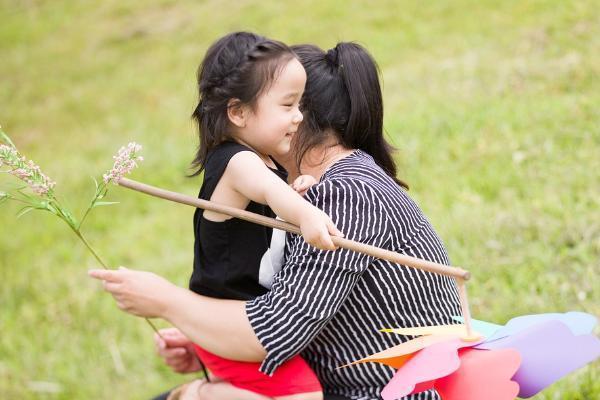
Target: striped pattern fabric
column 330, row 306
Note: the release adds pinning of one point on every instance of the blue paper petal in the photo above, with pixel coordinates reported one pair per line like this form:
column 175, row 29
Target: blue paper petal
column 578, row 322
column 487, row 329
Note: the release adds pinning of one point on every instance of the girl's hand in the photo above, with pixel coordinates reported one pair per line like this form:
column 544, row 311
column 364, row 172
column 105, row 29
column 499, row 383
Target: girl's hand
column 303, row 183
column 317, row 228
column 176, row 350
column 136, row 292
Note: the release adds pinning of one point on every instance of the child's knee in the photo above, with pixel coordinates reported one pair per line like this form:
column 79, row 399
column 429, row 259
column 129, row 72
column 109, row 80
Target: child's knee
column 302, row 396
column 314, row 396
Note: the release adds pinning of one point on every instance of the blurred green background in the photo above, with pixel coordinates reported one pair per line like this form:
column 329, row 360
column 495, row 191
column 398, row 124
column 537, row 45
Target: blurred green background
column 492, row 105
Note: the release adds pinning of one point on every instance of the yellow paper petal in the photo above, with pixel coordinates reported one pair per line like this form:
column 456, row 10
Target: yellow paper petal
column 458, row 330
column 398, row 355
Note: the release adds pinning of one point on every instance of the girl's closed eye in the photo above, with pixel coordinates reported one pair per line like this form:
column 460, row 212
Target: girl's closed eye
column 291, row 100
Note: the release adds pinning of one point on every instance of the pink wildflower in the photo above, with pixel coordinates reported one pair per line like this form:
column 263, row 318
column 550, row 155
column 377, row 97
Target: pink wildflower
column 26, row 171
column 125, row 161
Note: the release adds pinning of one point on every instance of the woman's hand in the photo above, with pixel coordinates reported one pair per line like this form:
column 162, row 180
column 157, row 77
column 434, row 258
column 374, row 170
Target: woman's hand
column 139, row 293
column 302, row 183
column 176, row 350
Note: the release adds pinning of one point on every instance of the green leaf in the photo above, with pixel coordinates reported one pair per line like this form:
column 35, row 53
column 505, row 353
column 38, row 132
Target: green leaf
column 104, row 203
column 69, row 218
column 25, row 210
column 4, row 137
column 51, row 208
column 25, row 195
column 35, row 203
column 19, row 188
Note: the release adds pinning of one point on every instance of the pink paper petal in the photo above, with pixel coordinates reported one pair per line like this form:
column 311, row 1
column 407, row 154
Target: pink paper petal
column 427, row 365
column 482, row 375
column 423, row 386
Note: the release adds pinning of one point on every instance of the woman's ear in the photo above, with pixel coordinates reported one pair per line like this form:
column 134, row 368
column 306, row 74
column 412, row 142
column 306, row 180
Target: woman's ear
column 237, row 113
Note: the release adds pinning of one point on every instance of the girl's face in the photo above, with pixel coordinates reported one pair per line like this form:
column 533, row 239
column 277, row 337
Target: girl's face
column 269, row 128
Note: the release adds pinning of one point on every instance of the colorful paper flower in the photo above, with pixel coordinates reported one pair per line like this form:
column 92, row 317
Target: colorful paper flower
column 521, row 358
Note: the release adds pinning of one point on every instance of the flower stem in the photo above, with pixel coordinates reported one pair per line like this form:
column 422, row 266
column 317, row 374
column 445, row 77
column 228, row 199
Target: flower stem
column 84, row 216
column 154, row 328
column 78, row 233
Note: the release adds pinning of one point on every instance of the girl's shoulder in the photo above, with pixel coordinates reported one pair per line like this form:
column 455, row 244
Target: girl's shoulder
column 225, row 150
column 219, row 156
column 217, row 160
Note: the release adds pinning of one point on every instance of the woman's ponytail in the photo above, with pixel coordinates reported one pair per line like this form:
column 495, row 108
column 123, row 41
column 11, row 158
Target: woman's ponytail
column 343, row 94
column 360, row 76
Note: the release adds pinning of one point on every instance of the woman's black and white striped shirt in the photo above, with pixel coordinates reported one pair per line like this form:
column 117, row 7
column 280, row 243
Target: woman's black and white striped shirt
column 330, row 306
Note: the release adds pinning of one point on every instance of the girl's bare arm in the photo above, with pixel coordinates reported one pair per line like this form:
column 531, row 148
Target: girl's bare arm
column 247, row 174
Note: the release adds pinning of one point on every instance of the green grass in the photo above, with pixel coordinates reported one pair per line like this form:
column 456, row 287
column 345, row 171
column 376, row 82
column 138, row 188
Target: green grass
column 493, row 107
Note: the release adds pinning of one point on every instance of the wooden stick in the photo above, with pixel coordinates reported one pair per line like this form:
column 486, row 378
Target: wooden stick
column 373, row 251
column 464, row 305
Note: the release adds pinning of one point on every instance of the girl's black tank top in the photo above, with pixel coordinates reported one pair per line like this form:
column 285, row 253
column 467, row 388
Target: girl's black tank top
column 227, row 254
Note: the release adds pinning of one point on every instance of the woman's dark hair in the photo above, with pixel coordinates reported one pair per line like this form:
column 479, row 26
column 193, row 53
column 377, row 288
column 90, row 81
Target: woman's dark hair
column 240, row 65
column 343, row 95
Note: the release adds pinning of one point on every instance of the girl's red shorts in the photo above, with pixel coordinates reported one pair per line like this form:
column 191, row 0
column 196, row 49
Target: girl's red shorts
column 292, row 377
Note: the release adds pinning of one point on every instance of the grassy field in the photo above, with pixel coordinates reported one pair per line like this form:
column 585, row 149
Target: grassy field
column 493, row 107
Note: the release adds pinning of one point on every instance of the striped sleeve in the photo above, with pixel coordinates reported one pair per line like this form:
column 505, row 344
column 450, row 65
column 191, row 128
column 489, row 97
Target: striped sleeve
column 313, row 284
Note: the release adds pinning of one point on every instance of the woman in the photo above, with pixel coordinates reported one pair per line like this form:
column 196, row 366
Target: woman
column 328, row 306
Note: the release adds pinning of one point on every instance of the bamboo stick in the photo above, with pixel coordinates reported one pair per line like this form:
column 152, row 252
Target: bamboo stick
column 464, row 305
column 458, row 273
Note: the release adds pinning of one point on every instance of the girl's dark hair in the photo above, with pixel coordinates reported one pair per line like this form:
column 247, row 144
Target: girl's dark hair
column 343, row 95
column 240, row 65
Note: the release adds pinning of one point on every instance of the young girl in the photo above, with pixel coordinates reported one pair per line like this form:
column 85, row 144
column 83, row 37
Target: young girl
column 250, row 89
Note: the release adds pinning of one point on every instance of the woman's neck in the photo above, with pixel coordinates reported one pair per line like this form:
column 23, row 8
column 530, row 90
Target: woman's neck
column 318, row 159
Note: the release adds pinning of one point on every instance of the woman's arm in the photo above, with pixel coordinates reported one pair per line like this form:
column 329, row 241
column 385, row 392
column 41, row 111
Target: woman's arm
column 220, row 326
